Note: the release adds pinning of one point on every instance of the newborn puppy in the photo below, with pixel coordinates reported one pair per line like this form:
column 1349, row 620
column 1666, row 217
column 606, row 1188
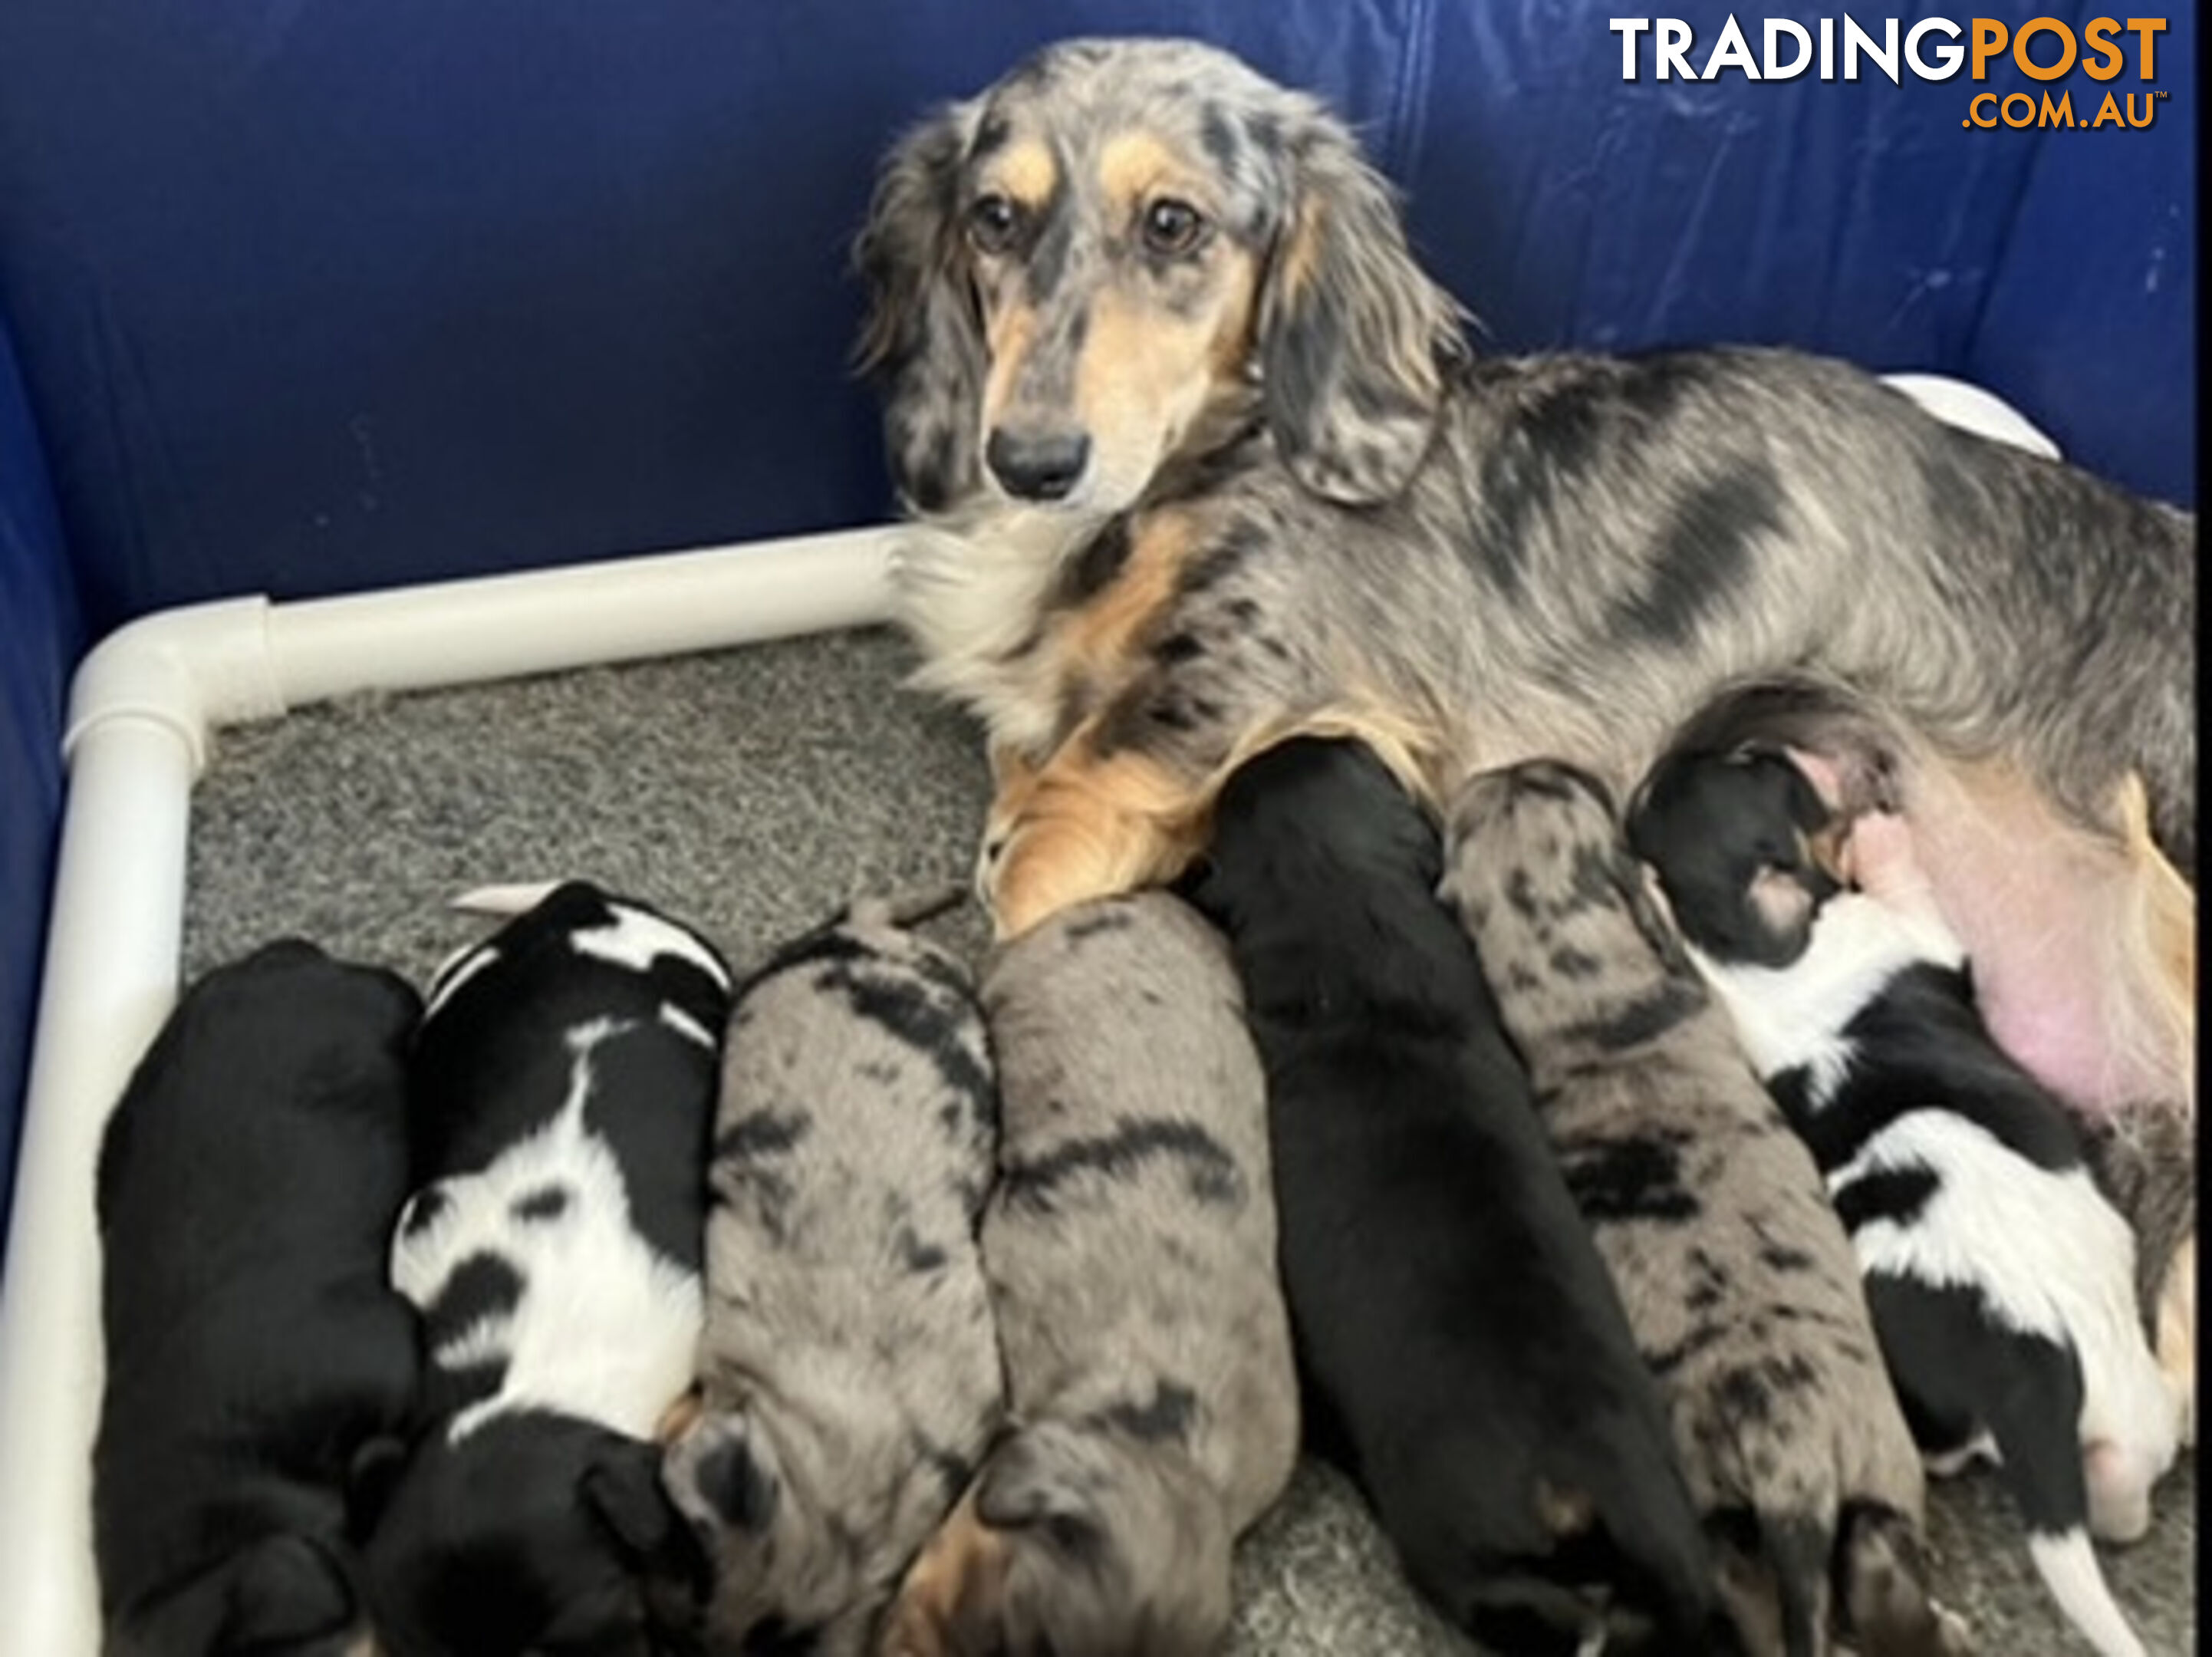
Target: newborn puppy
column 2146, row 1163
column 2002, row 1281
column 849, row 1374
column 246, row 1188
column 1738, row 1278
column 1460, row 1341
column 562, row 1085
column 1130, row 1247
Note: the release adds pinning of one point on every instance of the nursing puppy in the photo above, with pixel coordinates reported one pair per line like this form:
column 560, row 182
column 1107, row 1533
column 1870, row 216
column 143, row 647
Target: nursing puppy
column 2001, row 1282
column 246, row 1188
column 1130, row 1247
column 562, row 1085
column 1737, row 1277
column 850, row 1379
column 1459, row 1339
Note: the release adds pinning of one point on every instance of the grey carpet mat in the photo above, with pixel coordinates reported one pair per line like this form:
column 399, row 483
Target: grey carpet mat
column 750, row 792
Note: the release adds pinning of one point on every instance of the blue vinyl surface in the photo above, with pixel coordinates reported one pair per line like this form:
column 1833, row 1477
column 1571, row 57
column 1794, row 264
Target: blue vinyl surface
column 314, row 296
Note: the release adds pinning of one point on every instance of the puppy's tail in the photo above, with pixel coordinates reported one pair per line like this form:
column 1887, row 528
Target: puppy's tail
column 505, row 900
column 1881, row 1583
column 2068, row 1565
column 1798, row 1550
column 905, row 909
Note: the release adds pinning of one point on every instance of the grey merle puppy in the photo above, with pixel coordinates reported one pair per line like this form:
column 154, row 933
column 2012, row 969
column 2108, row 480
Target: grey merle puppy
column 1737, row 1277
column 849, row 1376
column 1131, row 1250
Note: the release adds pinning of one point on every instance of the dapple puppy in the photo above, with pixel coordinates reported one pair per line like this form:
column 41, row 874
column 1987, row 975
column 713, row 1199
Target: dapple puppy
column 563, row 1086
column 247, row 1184
column 1736, row 1275
column 2001, row 1280
column 850, row 1376
column 1465, row 1355
column 1130, row 1246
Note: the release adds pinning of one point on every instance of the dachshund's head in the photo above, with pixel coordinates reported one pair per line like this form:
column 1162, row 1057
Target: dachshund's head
column 1123, row 254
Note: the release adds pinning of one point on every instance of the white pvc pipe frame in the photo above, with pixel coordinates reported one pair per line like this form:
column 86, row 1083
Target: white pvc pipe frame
column 141, row 710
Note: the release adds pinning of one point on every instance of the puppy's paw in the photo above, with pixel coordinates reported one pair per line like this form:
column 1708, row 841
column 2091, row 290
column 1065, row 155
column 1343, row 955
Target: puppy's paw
column 990, row 856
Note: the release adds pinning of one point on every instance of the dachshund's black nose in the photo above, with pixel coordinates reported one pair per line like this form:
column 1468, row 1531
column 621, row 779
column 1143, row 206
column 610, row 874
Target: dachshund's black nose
column 1037, row 468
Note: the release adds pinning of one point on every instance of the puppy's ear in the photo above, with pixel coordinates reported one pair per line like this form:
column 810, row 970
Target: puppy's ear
column 286, row 1591
column 923, row 339
column 721, row 1475
column 1355, row 341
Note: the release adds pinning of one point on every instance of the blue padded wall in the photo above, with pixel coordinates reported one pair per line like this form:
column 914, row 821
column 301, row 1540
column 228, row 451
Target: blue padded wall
column 316, row 296
column 40, row 639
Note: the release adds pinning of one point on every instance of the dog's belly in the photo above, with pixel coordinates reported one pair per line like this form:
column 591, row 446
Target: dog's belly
column 2043, row 913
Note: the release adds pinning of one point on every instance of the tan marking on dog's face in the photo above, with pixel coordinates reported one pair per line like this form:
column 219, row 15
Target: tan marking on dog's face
column 1092, row 327
column 959, row 1580
column 1027, row 173
column 1148, row 372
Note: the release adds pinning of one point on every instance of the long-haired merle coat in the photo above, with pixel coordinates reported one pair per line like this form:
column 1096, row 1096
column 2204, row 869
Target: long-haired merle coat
column 1202, row 458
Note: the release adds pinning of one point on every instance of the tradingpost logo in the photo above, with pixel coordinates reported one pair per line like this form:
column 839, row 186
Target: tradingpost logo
column 2046, row 49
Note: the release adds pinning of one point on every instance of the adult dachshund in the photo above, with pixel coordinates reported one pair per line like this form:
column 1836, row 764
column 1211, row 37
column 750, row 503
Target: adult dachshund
column 1201, row 460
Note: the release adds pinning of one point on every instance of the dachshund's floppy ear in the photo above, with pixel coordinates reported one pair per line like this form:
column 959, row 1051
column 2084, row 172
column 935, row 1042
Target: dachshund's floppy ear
column 1355, row 340
column 923, row 340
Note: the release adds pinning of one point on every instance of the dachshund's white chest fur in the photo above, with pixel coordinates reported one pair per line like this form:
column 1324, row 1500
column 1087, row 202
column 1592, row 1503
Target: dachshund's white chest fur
column 972, row 596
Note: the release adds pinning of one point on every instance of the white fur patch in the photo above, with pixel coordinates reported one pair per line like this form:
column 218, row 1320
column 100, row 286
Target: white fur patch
column 2044, row 1249
column 1796, row 1014
column 635, row 938
column 456, row 970
column 607, row 1330
column 2068, row 1565
column 675, row 1017
column 969, row 599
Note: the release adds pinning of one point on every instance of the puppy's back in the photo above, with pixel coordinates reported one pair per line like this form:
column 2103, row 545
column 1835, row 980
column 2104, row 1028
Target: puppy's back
column 1125, row 1066
column 1456, row 1325
column 247, row 1184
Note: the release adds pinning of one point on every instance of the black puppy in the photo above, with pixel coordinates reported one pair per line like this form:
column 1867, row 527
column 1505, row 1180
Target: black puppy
column 563, row 1087
column 1454, row 1324
column 247, row 1186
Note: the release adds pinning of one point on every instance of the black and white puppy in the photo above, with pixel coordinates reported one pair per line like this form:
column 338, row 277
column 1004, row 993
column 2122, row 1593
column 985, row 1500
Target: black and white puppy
column 2001, row 1280
column 1457, row 1330
column 562, row 1087
column 247, row 1186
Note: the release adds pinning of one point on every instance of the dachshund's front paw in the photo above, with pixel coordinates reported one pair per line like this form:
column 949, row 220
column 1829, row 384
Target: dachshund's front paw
column 991, row 859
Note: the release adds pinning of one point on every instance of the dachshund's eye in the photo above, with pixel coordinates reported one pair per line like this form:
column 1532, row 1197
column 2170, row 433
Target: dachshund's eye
column 993, row 223
column 1173, row 228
